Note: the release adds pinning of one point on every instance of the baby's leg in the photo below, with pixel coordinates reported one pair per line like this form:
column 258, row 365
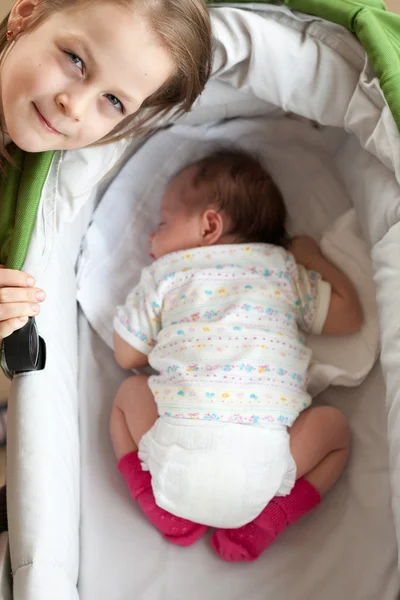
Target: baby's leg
column 133, row 414
column 319, row 443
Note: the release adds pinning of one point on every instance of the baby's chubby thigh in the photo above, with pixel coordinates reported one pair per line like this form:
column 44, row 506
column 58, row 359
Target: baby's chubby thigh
column 215, row 473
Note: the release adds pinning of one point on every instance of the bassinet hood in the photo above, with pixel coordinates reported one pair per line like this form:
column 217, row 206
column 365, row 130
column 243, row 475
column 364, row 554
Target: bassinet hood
column 302, row 64
column 376, row 28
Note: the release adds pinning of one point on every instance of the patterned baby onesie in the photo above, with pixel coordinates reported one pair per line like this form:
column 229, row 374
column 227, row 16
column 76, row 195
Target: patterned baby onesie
column 221, row 326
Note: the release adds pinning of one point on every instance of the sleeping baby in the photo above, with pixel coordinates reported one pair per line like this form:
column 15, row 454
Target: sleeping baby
column 223, row 435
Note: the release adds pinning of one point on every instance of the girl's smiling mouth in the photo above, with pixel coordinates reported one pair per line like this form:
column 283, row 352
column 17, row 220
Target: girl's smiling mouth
column 45, row 122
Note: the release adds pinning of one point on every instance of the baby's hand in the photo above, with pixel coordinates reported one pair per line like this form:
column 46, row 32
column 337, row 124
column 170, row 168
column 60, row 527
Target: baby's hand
column 305, row 250
column 19, row 299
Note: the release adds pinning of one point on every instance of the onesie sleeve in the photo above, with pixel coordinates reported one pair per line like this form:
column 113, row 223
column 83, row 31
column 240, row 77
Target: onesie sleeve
column 138, row 321
column 312, row 298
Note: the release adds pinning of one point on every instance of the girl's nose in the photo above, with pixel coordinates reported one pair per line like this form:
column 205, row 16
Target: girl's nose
column 72, row 105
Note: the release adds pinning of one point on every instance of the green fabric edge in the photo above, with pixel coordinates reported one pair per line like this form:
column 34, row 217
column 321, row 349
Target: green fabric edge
column 377, row 29
column 20, row 194
column 9, row 194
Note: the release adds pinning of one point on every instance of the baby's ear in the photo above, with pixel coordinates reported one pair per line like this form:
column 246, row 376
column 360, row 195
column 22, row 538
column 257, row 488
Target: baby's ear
column 212, row 227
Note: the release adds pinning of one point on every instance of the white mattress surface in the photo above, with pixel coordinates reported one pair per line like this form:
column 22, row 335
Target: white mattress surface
column 345, row 549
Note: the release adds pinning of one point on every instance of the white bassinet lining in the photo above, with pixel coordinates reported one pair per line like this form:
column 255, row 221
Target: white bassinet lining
column 363, row 495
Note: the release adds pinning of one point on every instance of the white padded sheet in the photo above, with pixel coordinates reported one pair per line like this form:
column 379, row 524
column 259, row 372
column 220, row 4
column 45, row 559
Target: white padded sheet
column 345, row 549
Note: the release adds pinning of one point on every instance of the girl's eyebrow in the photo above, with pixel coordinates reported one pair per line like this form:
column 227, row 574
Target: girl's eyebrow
column 84, row 46
column 89, row 54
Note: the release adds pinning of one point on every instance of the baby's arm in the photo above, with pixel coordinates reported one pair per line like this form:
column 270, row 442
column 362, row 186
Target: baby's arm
column 137, row 324
column 126, row 356
column 345, row 312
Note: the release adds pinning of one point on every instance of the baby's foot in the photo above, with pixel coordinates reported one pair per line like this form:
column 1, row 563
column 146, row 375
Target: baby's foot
column 176, row 530
column 247, row 543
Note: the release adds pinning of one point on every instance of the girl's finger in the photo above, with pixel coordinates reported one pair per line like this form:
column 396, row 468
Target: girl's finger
column 21, row 295
column 8, row 327
column 11, row 278
column 18, row 309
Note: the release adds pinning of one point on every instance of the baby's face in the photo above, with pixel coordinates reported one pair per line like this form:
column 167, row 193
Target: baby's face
column 178, row 229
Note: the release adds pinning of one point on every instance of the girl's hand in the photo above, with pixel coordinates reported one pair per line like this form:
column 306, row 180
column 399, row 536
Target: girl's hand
column 19, row 299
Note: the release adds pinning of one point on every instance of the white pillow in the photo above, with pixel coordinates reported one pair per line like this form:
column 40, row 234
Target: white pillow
column 347, row 360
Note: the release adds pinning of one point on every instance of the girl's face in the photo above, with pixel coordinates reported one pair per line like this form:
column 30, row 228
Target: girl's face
column 70, row 81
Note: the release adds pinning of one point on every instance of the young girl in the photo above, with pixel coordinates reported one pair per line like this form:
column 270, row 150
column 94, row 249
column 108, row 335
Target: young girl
column 78, row 72
column 217, row 316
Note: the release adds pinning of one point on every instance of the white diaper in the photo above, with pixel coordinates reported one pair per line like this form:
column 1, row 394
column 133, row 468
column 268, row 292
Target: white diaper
column 214, row 473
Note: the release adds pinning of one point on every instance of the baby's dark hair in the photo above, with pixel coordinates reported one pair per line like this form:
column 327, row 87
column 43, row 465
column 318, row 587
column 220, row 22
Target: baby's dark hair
column 236, row 183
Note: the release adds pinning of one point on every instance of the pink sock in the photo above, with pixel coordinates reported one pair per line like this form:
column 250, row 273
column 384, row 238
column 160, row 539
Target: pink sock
column 175, row 529
column 250, row 541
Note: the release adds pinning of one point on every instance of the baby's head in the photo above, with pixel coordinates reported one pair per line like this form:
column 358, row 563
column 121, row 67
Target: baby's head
column 74, row 72
column 225, row 198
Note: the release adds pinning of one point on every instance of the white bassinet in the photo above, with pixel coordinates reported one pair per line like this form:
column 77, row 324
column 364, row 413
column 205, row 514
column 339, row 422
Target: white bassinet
column 73, row 532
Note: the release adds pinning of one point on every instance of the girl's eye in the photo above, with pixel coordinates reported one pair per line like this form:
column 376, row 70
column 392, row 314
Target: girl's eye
column 113, row 100
column 74, row 58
